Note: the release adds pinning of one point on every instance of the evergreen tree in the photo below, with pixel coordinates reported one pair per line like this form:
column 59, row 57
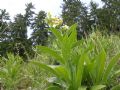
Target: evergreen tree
column 108, row 16
column 40, row 33
column 93, row 13
column 22, row 45
column 29, row 13
column 112, row 9
column 70, row 10
column 74, row 11
column 5, row 33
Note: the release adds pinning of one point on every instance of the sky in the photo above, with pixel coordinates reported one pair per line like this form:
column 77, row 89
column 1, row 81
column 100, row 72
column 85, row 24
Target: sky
column 17, row 6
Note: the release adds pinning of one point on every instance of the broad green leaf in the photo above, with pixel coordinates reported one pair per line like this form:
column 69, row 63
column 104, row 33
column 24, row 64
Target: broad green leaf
column 66, row 51
column 57, row 34
column 72, row 28
column 82, row 88
column 73, row 35
column 63, row 73
column 116, row 73
column 54, row 88
column 100, row 66
column 46, row 67
column 78, row 43
column 90, row 72
column 80, row 68
column 110, row 66
column 75, row 56
column 97, row 87
column 117, row 87
column 51, row 53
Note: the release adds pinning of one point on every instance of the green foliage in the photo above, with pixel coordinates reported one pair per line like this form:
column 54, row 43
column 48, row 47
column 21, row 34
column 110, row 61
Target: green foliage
column 83, row 64
column 98, row 87
column 74, row 11
column 116, row 87
column 80, row 62
column 65, row 71
column 5, row 33
column 22, row 46
column 40, row 32
column 10, row 72
column 89, row 63
column 70, row 10
column 16, row 74
column 13, row 33
column 37, row 76
column 110, row 43
column 53, row 88
column 29, row 13
column 104, row 17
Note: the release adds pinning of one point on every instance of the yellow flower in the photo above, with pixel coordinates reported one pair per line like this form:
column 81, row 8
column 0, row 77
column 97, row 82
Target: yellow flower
column 53, row 21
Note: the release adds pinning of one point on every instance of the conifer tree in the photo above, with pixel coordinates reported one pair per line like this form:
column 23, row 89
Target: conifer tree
column 5, row 33
column 22, row 45
column 40, row 33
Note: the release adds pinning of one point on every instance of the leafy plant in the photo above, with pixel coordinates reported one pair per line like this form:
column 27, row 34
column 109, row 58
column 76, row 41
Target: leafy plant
column 65, row 72
column 12, row 76
column 38, row 76
column 117, row 87
column 10, row 72
column 98, row 70
column 80, row 66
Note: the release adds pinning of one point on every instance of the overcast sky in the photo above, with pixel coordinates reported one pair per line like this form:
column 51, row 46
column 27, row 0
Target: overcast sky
column 17, row 6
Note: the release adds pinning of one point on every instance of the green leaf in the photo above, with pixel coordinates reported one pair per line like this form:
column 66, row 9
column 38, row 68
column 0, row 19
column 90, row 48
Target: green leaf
column 51, row 53
column 72, row 28
column 72, row 35
column 54, row 88
column 69, row 39
column 97, row 87
column 116, row 73
column 117, row 87
column 77, row 43
column 46, row 67
column 82, row 88
column 63, row 73
column 80, row 68
column 110, row 66
column 100, row 66
column 57, row 34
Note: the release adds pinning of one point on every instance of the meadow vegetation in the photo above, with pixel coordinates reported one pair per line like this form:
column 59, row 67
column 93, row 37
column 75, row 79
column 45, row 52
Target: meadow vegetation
column 91, row 63
column 79, row 51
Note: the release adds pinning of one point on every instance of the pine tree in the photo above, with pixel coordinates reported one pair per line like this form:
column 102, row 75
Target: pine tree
column 40, row 33
column 70, row 10
column 5, row 33
column 22, row 45
column 112, row 7
column 74, row 11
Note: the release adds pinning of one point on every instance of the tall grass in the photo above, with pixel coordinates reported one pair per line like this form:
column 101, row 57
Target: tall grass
column 83, row 65
column 87, row 64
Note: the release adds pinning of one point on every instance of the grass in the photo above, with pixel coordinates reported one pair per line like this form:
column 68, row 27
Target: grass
column 79, row 61
column 83, row 64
